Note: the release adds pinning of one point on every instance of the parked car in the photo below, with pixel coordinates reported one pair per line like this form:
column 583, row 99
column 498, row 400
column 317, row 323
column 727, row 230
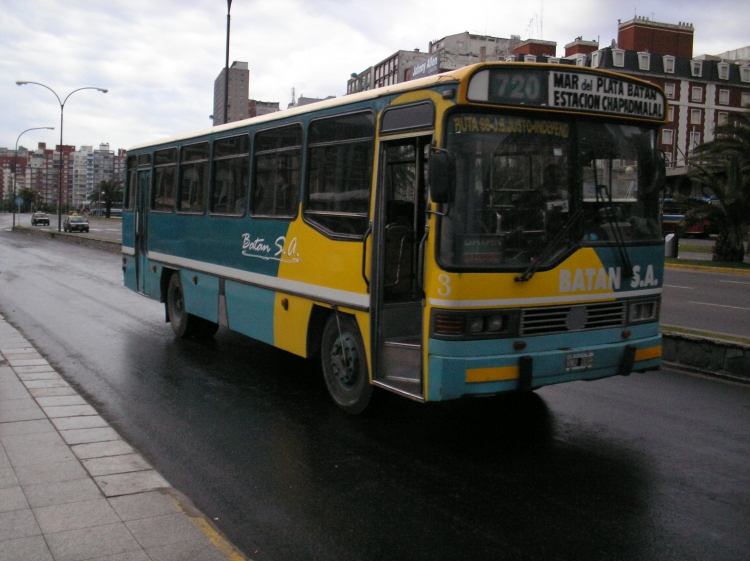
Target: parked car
column 76, row 224
column 39, row 218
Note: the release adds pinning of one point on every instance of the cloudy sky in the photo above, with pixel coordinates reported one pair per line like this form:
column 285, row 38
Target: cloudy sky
column 159, row 58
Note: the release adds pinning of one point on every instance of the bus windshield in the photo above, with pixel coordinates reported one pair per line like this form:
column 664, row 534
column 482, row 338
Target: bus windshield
column 530, row 190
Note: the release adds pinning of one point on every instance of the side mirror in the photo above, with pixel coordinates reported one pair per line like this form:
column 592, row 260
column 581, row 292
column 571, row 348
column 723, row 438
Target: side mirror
column 442, row 170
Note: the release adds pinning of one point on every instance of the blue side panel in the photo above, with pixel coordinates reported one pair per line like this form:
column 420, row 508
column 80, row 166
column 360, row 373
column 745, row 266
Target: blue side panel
column 201, row 294
column 250, row 310
column 128, row 272
column 128, row 229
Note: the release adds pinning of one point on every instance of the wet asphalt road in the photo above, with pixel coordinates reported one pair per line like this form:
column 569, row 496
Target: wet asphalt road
column 652, row 466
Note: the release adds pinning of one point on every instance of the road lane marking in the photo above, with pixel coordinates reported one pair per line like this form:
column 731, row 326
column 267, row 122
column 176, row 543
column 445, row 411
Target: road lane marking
column 720, row 306
column 675, row 286
column 735, row 282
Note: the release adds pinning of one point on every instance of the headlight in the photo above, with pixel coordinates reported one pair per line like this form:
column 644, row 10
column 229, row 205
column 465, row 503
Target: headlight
column 643, row 311
column 474, row 324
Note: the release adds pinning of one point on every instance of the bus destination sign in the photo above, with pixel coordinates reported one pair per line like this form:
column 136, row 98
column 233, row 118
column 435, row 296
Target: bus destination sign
column 568, row 90
column 606, row 94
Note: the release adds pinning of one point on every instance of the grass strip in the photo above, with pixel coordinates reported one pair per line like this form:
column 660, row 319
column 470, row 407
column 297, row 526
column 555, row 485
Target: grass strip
column 674, row 330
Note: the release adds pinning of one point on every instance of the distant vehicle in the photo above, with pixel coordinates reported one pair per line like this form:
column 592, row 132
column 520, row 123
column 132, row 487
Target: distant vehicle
column 76, row 224
column 673, row 213
column 39, row 219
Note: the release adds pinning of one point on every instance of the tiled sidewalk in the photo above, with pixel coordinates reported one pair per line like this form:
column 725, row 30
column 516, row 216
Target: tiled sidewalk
column 72, row 489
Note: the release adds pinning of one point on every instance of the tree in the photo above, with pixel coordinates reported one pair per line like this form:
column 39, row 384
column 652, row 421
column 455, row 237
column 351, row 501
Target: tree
column 724, row 165
column 109, row 191
column 28, row 196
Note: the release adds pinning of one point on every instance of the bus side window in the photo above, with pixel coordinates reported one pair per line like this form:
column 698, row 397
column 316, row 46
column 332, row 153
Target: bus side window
column 276, row 181
column 132, row 177
column 193, row 178
column 230, row 176
column 165, row 180
column 340, row 173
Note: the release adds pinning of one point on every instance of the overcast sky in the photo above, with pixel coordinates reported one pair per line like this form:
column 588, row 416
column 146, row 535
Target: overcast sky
column 159, row 58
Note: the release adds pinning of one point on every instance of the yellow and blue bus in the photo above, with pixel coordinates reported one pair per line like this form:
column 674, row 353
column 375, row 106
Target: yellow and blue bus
column 487, row 230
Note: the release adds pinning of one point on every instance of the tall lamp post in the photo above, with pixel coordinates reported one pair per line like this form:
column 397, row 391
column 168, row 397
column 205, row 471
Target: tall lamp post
column 15, row 165
column 62, row 109
column 226, row 69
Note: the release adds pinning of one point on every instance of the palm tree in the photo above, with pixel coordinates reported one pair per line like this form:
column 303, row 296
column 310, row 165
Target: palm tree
column 724, row 165
column 109, row 191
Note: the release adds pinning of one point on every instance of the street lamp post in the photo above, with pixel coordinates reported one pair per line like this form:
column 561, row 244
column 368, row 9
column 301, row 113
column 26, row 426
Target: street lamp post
column 226, row 69
column 62, row 109
column 15, row 165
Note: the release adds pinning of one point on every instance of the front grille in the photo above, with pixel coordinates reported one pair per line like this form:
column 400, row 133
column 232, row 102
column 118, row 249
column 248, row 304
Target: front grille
column 564, row 319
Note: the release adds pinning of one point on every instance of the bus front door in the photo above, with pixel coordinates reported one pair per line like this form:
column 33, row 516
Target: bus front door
column 396, row 296
column 141, row 230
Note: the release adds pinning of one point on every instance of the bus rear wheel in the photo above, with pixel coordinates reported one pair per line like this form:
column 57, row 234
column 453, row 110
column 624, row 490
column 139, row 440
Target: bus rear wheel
column 345, row 364
column 179, row 318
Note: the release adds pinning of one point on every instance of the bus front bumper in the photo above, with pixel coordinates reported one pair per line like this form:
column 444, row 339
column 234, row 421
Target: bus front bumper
column 452, row 377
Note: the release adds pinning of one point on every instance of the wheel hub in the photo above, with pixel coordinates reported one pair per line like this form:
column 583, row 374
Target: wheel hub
column 345, row 360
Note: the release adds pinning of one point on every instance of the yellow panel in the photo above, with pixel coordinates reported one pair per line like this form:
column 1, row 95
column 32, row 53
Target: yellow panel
column 495, row 374
column 290, row 325
column 312, row 258
column 647, row 354
column 579, row 275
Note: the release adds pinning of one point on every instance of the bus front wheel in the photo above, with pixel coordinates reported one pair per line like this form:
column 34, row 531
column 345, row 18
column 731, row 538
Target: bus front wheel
column 345, row 364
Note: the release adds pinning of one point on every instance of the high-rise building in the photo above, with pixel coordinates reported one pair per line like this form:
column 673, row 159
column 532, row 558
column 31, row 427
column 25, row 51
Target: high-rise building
column 239, row 88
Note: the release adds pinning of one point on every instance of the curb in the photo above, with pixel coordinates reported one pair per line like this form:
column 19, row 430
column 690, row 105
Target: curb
column 710, row 269
column 78, row 239
column 711, row 357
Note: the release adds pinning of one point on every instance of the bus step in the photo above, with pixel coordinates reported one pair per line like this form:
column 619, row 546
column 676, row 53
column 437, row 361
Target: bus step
column 402, row 359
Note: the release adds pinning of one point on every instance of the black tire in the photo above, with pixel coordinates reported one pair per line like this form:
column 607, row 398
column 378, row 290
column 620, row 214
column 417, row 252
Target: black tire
column 345, row 364
column 181, row 321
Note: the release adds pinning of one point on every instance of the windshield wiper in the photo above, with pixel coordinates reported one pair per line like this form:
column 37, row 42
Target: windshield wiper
column 537, row 261
column 609, row 214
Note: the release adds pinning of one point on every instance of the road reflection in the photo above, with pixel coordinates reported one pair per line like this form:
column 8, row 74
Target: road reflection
column 249, row 433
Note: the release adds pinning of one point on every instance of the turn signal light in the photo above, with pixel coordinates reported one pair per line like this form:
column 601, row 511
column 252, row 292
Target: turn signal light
column 450, row 324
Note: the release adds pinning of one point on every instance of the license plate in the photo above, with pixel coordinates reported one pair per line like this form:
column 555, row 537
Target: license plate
column 579, row 361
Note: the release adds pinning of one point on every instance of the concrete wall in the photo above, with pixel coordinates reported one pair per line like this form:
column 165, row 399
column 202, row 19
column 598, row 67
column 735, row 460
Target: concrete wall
column 707, row 356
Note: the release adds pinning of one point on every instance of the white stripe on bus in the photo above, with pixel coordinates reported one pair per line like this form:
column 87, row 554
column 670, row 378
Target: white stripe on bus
column 542, row 300
column 312, row 291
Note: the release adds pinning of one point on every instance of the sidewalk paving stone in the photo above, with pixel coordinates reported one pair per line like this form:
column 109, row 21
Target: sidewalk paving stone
column 32, row 369
column 32, row 548
column 12, row 498
column 33, row 384
column 61, row 492
column 69, row 411
column 71, row 423
column 99, row 449
column 130, row 483
column 163, row 530
column 48, row 375
column 74, row 516
column 8, row 478
column 143, row 505
column 46, row 392
column 85, row 436
column 87, row 543
column 51, row 472
column 18, row 524
column 185, row 550
column 116, row 464
column 26, row 427
column 61, row 400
